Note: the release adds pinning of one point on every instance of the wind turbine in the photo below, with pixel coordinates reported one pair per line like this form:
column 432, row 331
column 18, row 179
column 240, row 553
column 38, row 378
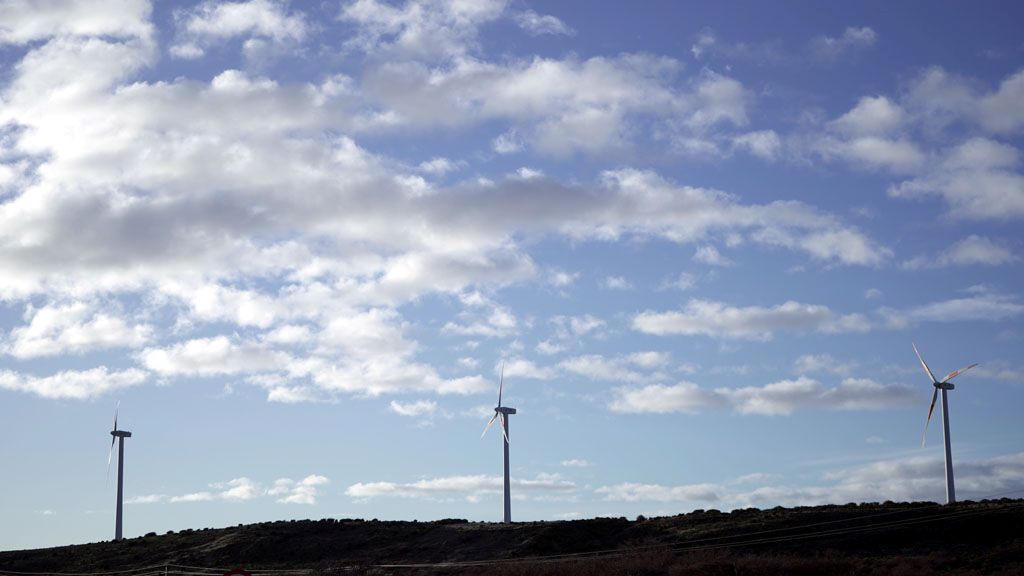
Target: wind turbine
column 118, row 436
column 503, row 413
column 944, row 385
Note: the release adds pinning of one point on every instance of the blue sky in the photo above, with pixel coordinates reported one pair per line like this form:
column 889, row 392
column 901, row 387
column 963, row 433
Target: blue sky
column 296, row 242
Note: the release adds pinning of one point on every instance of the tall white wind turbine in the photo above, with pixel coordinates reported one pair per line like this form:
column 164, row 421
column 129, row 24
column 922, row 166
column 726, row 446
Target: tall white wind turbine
column 118, row 436
column 502, row 413
column 944, row 385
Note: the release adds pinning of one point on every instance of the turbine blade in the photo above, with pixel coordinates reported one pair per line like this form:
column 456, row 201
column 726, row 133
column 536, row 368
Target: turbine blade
column 923, row 364
column 489, row 423
column 924, row 436
column 956, row 373
column 501, row 382
column 116, row 407
column 110, row 456
column 504, row 428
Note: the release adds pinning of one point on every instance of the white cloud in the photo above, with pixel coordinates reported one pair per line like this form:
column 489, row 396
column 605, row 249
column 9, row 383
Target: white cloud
column 616, row 283
column 549, row 347
column 786, row 396
column 981, row 305
column 296, row 245
column 472, row 488
column 289, row 334
column 212, row 356
column 23, row 22
column 817, row 363
column 911, row 479
column 977, row 179
column 649, row 359
column 575, row 463
column 413, row 409
column 73, row 328
column 633, row 492
column 684, row 281
column 973, row 250
column 420, row 29
column 852, row 39
column 73, row 384
column 522, row 368
column 598, row 367
column 1000, row 111
column 898, row 155
column 497, row 322
column 507, row 143
column 685, row 397
column 717, row 319
column 193, row 497
column 709, row 255
column 561, row 278
column 540, row 24
column 265, row 23
column 776, row 399
column 765, row 144
column 304, row 491
column 873, row 115
column 285, row 491
column 439, row 166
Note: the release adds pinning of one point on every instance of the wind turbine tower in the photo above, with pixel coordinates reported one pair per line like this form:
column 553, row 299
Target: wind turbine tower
column 118, row 436
column 945, row 386
column 502, row 413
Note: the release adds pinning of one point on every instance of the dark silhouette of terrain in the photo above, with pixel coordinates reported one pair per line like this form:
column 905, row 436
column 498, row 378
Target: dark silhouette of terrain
column 916, row 539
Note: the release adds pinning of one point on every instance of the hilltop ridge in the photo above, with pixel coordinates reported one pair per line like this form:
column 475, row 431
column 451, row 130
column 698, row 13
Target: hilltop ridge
column 920, row 538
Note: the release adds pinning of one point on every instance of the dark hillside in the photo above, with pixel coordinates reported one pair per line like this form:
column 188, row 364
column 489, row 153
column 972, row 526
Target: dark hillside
column 916, row 538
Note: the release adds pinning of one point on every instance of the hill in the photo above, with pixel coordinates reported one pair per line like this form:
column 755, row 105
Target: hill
column 984, row 537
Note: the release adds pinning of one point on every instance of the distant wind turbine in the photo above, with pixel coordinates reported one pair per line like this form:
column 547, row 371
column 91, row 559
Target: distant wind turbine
column 503, row 413
column 944, row 385
column 118, row 436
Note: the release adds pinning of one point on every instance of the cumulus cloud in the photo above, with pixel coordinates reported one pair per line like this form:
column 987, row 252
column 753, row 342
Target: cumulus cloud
column 73, row 328
column 218, row 355
column 815, row 363
column 540, row 24
column 421, row 29
column 978, row 179
column 616, row 283
column 21, row 22
column 303, row 491
column 73, row 384
column 907, row 479
column 472, row 488
column 265, row 24
column 912, row 479
column 243, row 489
column 413, row 409
column 973, row 250
column 981, row 304
column 765, row 144
column 634, row 492
column 776, row 399
column 720, row 320
column 852, row 39
column 575, row 463
column 281, row 252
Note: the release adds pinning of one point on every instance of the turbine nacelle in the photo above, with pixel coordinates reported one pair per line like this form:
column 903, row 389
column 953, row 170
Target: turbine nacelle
column 944, row 385
column 121, row 433
column 505, row 410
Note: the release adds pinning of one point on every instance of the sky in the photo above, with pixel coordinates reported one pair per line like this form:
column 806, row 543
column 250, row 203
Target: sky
column 297, row 242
